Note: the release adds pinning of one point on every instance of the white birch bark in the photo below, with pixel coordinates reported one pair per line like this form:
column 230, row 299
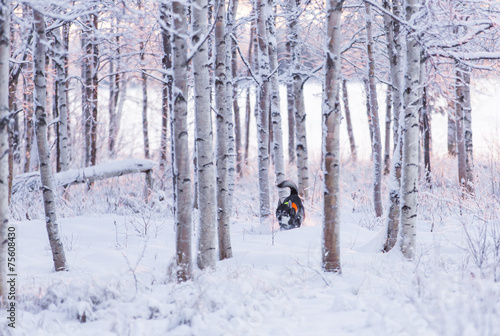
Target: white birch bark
column 410, row 133
column 222, row 124
column 46, row 176
column 292, row 37
column 396, row 70
column 204, row 139
column 279, row 165
column 263, row 115
column 331, row 139
column 181, row 171
column 144, row 80
column 4, row 142
column 374, row 118
column 62, row 107
column 347, row 112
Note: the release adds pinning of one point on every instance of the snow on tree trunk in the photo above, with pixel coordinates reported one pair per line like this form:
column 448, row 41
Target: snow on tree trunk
column 221, row 106
column 409, row 177
column 62, row 107
column 167, row 85
column 114, row 92
column 331, row 139
column 230, row 29
column 301, row 138
column 94, row 91
column 347, row 111
column 426, row 130
column 387, row 131
column 86, row 92
column 4, row 141
column 291, row 47
column 263, row 114
column 181, row 172
column 144, row 82
column 452, row 129
column 279, row 165
column 231, row 149
column 396, row 69
column 464, row 130
column 204, row 139
column 377, row 140
column 46, row 176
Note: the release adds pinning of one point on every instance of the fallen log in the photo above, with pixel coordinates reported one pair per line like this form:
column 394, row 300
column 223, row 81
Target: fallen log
column 31, row 181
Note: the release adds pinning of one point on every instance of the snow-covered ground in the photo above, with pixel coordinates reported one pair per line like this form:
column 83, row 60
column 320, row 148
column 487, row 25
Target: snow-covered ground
column 120, row 253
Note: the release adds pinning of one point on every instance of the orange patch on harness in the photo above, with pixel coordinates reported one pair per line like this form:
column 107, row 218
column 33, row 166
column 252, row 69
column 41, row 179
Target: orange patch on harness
column 294, row 206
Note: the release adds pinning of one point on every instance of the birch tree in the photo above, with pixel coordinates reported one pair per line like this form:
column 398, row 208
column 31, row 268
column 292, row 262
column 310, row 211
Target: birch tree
column 4, row 141
column 60, row 59
column 347, row 112
column 222, row 105
column 374, row 119
column 181, row 171
column 204, row 138
column 279, row 166
column 263, row 114
column 46, row 176
column 409, row 179
column 331, row 138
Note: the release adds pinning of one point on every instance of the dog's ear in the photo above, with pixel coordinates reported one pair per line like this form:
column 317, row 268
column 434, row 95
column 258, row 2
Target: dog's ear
column 279, row 202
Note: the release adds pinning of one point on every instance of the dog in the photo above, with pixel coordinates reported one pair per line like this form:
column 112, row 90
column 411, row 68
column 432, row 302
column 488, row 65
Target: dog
column 290, row 212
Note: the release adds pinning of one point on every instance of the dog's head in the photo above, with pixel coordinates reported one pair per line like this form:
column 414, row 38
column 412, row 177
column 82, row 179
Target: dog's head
column 285, row 213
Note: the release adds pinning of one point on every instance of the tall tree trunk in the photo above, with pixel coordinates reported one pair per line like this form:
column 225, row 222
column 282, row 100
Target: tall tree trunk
column 279, row 165
column 331, row 139
column 387, row 131
column 263, row 114
column 62, row 108
column 144, row 82
column 396, row 69
column 222, row 121
column 377, row 140
column 46, row 176
column 167, row 85
column 204, row 139
column 180, row 139
column 248, row 108
column 464, row 130
column 114, row 92
column 4, row 142
column 350, row 132
column 452, row 129
column 426, row 123
column 87, row 92
column 231, row 150
column 291, row 48
column 409, row 178
column 28, row 117
column 233, row 8
column 301, row 150
column 94, row 91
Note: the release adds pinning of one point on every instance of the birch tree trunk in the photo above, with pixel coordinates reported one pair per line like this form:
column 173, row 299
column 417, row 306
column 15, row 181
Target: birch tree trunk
column 144, row 80
column 409, row 181
column 396, row 69
column 86, row 92
column 464, row 130
column 46, row 175
column 94, row 91
column 331, row 139
column 181, row 172
column 263, row 114
column 279, row 165
column 204, row 139
column 62, row 108
column 350, row 132
column 374, row 118
column 387, row 131
column 4, row 142
column 291, row 47
column 221, row 106
column 167, row 85
column 230, row 29
column 28, row 123
column 452, row 129
column 114, row 92
column 426, row 124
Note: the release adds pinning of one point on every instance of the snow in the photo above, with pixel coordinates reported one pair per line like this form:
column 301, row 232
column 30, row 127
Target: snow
column 120, row 279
